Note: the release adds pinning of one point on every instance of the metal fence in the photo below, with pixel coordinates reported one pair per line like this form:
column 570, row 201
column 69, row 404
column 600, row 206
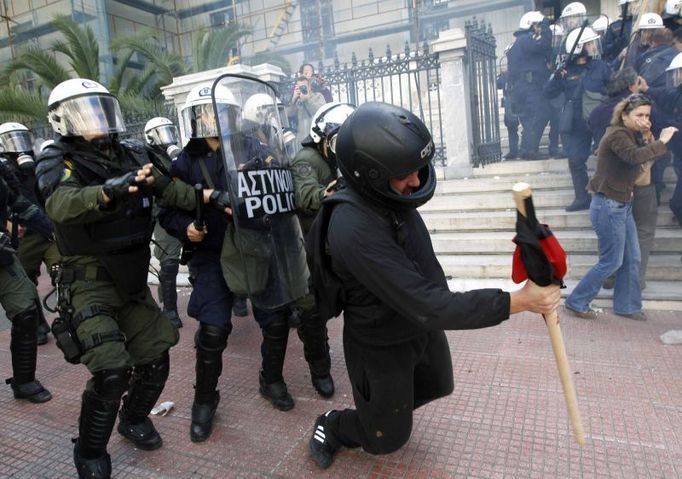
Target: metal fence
column 485, row 118
column 409, row 79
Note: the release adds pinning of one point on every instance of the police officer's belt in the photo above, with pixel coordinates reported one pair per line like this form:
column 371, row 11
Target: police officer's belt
column 69, row 274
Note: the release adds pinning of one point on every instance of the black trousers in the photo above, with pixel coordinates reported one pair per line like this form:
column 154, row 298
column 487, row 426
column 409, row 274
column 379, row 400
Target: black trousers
column 389, row 382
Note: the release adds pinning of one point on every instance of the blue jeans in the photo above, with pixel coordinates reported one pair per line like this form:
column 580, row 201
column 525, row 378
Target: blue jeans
column 618, row 253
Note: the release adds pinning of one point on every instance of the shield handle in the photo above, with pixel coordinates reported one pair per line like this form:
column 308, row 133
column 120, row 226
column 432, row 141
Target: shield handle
column 521, row 193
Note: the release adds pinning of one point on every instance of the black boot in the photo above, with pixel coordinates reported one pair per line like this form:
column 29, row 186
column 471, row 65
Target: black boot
column 582, row 197
column 313, row 334
column 168, row 291
column 211, row 342
column 98, row 416
column 24, row 350
column 274, row 346
column 43, row 327
column 145, row 388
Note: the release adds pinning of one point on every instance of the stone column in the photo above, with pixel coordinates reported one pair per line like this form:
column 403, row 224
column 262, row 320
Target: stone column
column 177, row 91
column 455, row 105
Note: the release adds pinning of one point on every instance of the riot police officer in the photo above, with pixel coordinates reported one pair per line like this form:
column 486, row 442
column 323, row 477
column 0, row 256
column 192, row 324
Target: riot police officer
column 315, row 178
column 211, row 300
column 263, row 252
column 585, row 74
column 528, row 70
column 618, row 33
column 161, row 134
column 16, row 144
column 99, row 193
column 17, row 295
column 669, row 101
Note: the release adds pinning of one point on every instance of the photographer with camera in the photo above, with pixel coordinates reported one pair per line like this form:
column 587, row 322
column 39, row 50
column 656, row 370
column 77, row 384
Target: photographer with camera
column 304, row 102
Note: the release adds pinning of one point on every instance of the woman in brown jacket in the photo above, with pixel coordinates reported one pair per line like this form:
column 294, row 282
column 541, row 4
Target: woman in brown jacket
column 625, row 153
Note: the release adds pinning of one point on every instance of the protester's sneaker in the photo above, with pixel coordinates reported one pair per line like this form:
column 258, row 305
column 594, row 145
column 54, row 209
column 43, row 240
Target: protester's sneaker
column 639, row 316
column 589, row 314
column 321, row 448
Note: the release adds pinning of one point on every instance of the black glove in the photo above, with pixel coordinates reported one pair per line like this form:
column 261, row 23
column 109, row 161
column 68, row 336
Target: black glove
column 220, row 199
column 117, row 188
column 34, row 218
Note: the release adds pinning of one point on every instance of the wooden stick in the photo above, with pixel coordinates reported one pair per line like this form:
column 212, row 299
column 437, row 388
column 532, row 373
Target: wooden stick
column 521, row 192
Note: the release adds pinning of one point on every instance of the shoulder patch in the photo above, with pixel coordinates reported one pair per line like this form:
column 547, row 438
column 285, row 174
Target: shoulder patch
column 304, row 169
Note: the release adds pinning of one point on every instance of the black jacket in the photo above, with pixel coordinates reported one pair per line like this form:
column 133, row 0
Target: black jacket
column 392, row 287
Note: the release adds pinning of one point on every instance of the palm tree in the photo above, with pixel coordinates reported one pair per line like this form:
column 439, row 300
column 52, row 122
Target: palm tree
column 80, row 48
column 213, row 48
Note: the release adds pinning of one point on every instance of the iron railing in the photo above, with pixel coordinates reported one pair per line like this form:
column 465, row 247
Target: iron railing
column 409, row 79
column 482, row 69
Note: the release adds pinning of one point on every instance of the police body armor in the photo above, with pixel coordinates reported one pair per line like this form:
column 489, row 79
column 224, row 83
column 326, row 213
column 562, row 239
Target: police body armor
column 263, row 253
column 120, row 241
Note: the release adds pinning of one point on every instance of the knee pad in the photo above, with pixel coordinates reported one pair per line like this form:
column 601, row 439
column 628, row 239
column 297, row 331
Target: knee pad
column 154, row 372
column 276, row 328
column 211, row 338
column 110, row 384
column 26, row 321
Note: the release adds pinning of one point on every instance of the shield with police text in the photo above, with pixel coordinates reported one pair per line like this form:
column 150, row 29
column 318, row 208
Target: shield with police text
column 263, row 254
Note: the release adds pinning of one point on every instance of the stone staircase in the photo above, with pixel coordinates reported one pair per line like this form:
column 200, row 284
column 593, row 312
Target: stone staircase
column 471, row 221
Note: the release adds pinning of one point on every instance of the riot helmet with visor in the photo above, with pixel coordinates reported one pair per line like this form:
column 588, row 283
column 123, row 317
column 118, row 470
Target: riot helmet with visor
column 81, row 107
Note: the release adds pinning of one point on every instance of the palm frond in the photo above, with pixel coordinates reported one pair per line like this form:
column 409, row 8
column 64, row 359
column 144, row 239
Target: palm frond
column 41, row 62
column 121, row 65
column 80, row 46
column 269, row 57
column 212, row 48
column 19, row 104
column 167, row 63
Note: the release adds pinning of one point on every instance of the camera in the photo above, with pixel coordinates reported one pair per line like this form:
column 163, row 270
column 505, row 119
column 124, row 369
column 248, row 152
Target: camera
column 303, row 89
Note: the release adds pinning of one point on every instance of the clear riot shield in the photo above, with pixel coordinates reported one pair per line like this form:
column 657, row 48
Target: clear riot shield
column 263, row 252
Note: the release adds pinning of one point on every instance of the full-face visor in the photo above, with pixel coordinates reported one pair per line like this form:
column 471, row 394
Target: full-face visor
column 91, row 114
column 673, row 78
column 199, row 121
column 332, row 143
column 163, row 135
column 570, row 22
column 16, row 141
column 592, row 48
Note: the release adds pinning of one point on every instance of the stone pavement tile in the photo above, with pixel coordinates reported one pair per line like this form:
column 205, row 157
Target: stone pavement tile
column 505, row 419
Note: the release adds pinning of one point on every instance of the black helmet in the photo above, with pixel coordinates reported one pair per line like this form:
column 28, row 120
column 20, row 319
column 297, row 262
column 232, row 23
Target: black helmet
column 380, row 141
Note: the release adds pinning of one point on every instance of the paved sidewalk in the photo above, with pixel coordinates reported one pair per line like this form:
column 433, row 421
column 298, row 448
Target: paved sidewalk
column 506, row 418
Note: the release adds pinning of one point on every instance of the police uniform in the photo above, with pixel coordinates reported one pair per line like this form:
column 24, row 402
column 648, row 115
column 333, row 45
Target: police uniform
column 669, row 101
column 653, row 64
column 528, row 71
column 34, row 247
column 17, row 296
column 167, row 250
column 103, row 275
column 211, row 299
column 616, row 39
column 591, row 76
